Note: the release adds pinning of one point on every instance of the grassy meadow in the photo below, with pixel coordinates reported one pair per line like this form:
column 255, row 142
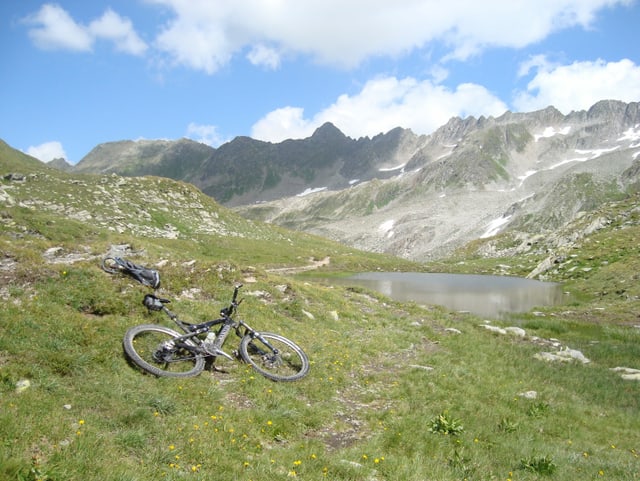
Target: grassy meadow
column 396, row 391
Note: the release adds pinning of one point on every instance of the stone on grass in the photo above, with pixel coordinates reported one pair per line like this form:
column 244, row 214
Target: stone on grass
column 491, row 328
column 529, row 394
column 563, row 355
column 22, row 385
column 453, row 330
column 627, row 373
column 516, row 331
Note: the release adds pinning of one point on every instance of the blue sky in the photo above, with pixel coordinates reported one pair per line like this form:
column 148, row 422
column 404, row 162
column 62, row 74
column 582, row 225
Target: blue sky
column 77, row 73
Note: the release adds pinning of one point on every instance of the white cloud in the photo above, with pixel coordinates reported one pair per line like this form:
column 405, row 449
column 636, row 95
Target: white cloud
column 579, row 85
column 474, row 26
column 206, row 134
column 205, row 35
column 264, row 56
column 283, row 123
column 52, row 28
column 534, row 62
column 112, row 26
column 383, row 104
column 47, row 152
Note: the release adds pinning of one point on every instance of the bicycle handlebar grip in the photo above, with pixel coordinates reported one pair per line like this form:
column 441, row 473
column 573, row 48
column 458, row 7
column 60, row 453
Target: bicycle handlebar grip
column 235, row 292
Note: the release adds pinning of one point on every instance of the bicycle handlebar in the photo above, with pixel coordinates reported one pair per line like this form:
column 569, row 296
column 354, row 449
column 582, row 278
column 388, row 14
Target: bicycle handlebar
column 155, row 303
column 228, row 311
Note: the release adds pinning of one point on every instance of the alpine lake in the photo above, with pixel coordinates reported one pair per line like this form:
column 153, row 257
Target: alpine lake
column 487, row 296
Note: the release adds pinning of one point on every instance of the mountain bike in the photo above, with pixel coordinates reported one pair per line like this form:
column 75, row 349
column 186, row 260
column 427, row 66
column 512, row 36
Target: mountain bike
column 162, row 351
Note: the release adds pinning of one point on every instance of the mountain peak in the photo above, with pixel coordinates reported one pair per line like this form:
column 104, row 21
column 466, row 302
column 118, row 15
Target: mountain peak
column 328, row 131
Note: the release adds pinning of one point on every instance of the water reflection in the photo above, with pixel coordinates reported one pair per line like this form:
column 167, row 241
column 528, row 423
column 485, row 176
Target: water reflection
column 487, row 296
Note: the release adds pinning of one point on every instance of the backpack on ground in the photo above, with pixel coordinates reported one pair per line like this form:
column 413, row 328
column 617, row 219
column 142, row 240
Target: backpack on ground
column 144, row 275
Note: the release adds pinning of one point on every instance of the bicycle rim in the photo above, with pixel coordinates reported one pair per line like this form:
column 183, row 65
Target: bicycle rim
column 110, row 265
column 153, row 349
column 289, row 364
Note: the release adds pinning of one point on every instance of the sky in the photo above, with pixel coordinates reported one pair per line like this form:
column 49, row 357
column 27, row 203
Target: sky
column 76, row 74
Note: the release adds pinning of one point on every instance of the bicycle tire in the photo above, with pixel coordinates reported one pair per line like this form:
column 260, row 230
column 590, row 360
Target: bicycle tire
column 290, row 364
column 110, row 265
column 149, row 347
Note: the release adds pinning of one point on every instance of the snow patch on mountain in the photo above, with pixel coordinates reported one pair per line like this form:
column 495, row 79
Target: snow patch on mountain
column 494, row 226
column 551, row 132
column 391, row 169
column 631, row 134
column 387, row 227
column 310, row 191
column 595, row 153
column 586, row 155
column 526, row 175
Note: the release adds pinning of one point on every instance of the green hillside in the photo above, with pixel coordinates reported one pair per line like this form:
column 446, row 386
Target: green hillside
column 396, row 391
column 12, row 159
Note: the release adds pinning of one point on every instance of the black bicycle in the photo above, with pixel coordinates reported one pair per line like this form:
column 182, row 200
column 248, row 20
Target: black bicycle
column 162, row 351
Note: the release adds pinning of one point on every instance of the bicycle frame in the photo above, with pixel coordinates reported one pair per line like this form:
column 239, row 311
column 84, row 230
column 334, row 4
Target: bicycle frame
column 193, row 331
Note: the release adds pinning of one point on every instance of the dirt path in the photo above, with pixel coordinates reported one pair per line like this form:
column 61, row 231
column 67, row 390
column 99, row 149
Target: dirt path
column 314, row 264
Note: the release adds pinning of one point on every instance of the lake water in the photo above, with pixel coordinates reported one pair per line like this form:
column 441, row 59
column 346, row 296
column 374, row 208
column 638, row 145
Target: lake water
column 486, row 296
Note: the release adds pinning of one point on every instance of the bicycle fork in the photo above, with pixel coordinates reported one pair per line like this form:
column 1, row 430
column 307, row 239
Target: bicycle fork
column 274, row 351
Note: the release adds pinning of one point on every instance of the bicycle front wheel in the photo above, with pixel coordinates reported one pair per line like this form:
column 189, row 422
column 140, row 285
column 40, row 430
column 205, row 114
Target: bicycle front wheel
column 275, row 357
column 154, row 349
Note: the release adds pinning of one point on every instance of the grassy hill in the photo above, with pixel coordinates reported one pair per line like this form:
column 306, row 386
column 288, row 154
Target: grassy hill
column 396, row 391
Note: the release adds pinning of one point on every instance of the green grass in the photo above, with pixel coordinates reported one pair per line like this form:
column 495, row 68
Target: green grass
column 391, row 395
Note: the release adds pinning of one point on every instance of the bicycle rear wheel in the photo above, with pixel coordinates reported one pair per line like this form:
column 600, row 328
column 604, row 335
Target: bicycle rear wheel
column 275, row 357
column 110, row 265
column 153, row 348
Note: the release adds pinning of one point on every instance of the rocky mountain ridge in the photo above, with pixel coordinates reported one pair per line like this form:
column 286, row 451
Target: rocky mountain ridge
column 419, row 197
column 529, row 174
column 245, row 171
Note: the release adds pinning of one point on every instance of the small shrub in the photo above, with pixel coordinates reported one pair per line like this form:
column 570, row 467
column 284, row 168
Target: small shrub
column 163, row 405
column 445, row 424
column 538, row 410
column 506, row 425
column 462, row 464
column 539, row 465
